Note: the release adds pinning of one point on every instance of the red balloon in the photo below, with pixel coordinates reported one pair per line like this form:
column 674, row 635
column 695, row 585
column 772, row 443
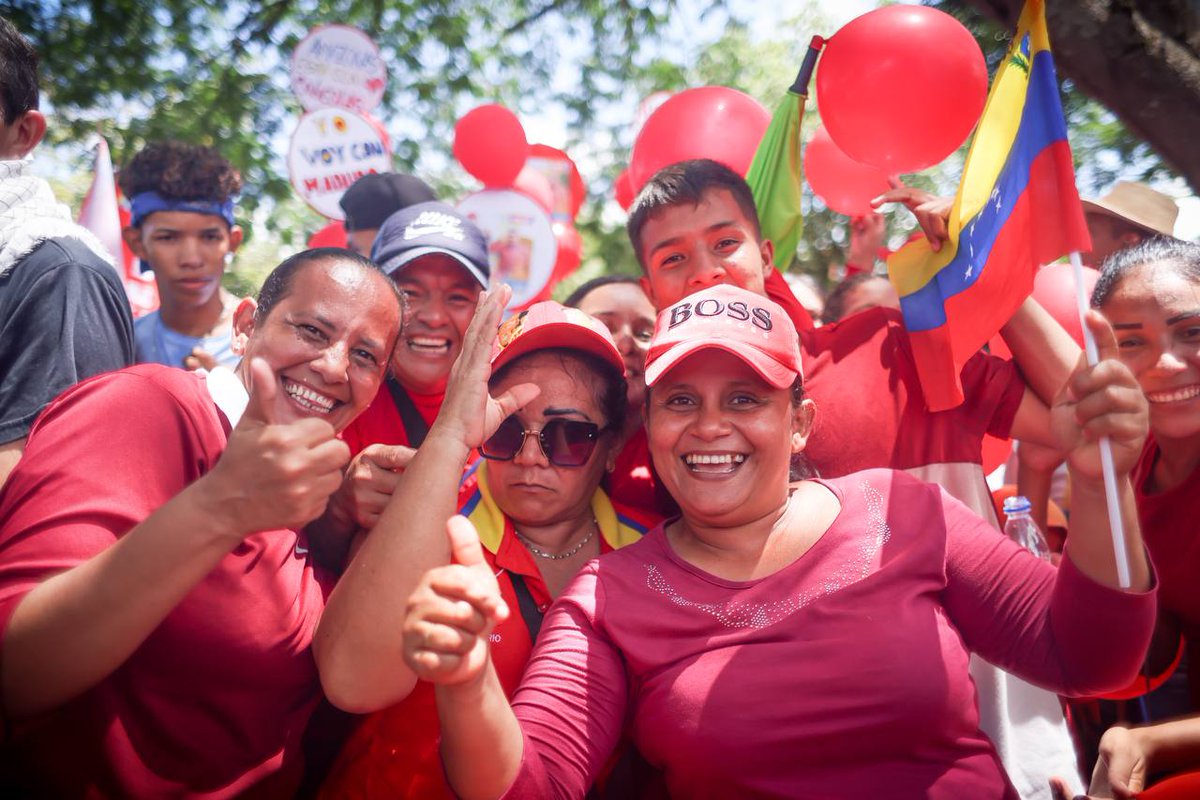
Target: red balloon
column 536, row 185
column 623, row 189
column 1054, row 289
column 332, row 235
column 847, row 186
column 710, row 122
column 490, row 144
column 901, row 87
column 578, row 192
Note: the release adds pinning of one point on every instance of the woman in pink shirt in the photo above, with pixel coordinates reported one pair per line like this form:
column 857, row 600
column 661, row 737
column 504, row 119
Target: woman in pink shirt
column 780, row 639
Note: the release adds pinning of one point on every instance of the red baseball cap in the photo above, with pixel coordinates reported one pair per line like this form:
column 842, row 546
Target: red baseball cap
column 732, row 319
column 548, row 324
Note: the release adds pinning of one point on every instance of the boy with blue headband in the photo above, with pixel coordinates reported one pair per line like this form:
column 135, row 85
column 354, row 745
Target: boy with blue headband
column 182, row 228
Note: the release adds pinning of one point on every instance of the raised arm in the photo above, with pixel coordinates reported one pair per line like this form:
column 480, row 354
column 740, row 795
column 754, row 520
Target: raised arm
column 72, row 630
column 569, row 710
column 358, row 645
column 1072, row 630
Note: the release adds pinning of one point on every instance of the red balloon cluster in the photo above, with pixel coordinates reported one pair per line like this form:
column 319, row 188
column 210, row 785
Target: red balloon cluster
column 847, row 186
column 709, row 122
column 901, row 87
column 490, row 143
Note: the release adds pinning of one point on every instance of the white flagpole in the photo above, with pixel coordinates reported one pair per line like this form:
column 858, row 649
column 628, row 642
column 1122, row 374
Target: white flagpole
column 1116, row 523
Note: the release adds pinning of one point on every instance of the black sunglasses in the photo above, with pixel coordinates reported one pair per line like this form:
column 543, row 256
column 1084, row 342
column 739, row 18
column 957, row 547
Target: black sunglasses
column 565, row 442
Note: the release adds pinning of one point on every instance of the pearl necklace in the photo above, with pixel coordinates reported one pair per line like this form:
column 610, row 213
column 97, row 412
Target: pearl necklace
column 540, row 553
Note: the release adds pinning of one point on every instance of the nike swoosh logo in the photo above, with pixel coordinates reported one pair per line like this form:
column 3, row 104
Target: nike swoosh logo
column 413, row 232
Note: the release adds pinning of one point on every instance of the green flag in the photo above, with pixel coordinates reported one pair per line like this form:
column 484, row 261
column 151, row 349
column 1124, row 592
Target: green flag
column 774, row 175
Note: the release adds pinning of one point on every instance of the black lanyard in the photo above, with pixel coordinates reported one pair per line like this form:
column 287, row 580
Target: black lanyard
column 527, row 605
column 414, row 424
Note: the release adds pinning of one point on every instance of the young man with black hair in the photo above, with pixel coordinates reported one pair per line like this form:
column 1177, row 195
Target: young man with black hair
column 182, row 228
column 64, row 315
column 695, row 225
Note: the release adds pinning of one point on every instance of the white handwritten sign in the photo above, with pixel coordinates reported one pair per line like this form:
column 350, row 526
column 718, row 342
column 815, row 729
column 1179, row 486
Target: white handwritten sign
column 331, row 149
column 337, row 66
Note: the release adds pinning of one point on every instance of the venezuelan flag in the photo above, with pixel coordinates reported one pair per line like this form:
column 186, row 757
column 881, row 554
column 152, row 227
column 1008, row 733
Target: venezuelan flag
column 1016, row 209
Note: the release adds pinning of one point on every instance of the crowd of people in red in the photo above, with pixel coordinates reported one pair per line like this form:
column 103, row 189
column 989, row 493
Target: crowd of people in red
column 365, row 536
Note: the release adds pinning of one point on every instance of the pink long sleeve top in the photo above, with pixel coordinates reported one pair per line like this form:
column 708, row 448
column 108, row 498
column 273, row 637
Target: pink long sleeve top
column 844, row 674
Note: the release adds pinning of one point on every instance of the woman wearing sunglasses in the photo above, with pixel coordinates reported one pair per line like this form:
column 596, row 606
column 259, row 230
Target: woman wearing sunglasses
column 782, row 639
column 536, row 502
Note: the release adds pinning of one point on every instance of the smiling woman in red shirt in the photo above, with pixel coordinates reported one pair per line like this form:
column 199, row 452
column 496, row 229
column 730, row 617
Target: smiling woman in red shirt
column 778, row 639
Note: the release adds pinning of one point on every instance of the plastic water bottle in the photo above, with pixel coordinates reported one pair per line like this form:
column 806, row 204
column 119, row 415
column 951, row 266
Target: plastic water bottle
column 1021, row 528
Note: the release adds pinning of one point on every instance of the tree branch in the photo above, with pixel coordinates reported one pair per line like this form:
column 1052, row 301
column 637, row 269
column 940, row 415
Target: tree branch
column 521, row 24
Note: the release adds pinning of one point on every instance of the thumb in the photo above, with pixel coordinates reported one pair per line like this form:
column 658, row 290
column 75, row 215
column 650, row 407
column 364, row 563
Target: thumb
column 263, row 389
column 390, row 456
column 465, row 548
column 1102, row 332
column 514, row 399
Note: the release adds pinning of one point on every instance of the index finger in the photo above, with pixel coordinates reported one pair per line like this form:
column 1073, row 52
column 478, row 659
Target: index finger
column 482, row 329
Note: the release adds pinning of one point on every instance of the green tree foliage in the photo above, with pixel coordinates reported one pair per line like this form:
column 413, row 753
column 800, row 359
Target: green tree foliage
column 216, row 73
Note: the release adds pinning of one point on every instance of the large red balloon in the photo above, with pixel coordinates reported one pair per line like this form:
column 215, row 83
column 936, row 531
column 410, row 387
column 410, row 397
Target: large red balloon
column 490, row 144
column 623, row 189
column 901, row 87
column 709, row 122
column 1054, row 289
column 847, row 186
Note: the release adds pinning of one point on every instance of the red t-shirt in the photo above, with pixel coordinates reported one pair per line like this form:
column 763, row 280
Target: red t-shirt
column 633, row 482
column 394, row 752
column 381, row 422
column 870, row 411
column 844, row 674
column 1168, row 521
column 214, row 702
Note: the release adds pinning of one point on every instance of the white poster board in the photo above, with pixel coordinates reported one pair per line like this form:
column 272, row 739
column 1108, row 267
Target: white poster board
column 337, row 66
column 331, row 149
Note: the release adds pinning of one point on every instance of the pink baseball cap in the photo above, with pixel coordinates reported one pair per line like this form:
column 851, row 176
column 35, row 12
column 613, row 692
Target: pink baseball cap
column 751, row 327
column 548, row 324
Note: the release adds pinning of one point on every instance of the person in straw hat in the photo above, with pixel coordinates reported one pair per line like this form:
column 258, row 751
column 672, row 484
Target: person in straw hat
column 1126, row 216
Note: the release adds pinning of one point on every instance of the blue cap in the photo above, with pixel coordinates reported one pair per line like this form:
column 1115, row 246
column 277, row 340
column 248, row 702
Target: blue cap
column 1016, row 504
column 427, row 228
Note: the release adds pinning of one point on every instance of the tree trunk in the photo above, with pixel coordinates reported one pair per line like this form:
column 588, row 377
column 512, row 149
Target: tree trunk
column 1140, row 59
